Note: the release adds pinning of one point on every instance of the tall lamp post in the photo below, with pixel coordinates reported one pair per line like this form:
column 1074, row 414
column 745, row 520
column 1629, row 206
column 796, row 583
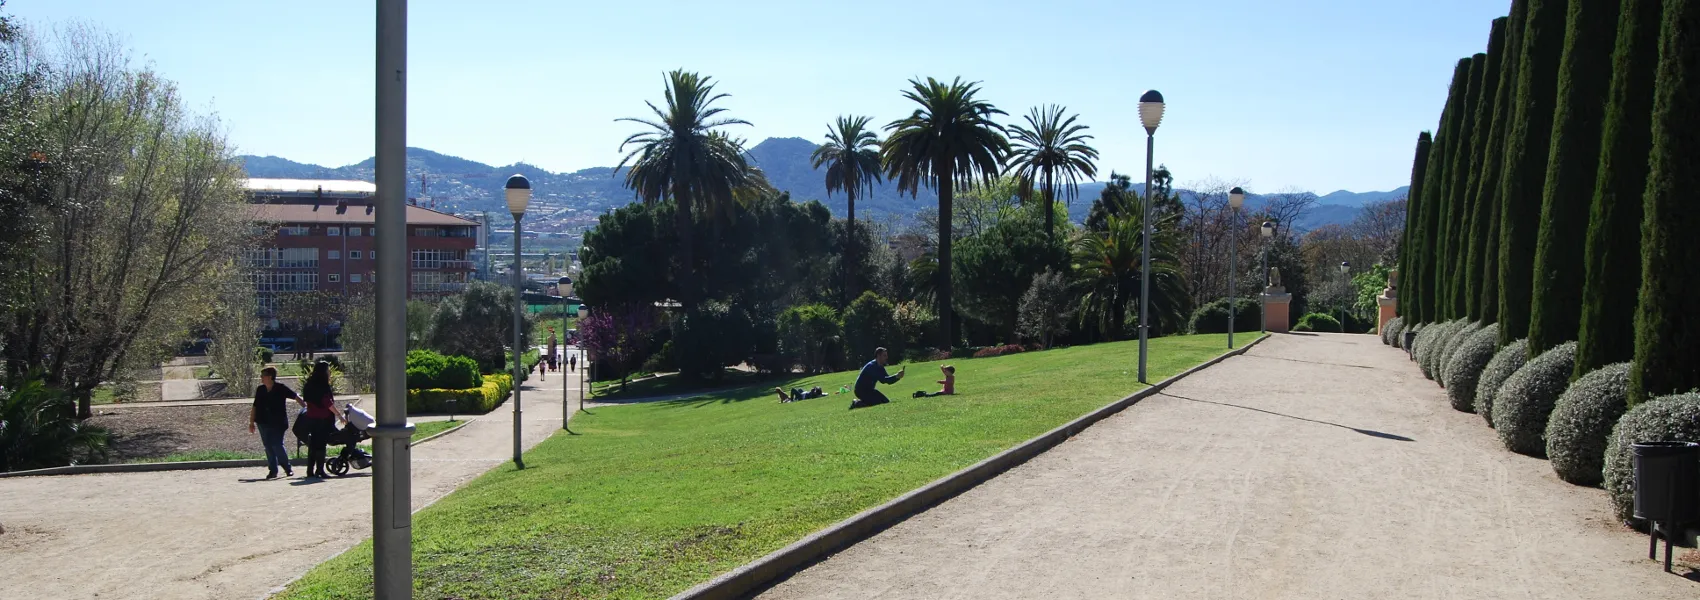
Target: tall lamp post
column 392, row 496
column 1346, row 290
column 518, row 192
column 1268, row 234
column 1236, row 199
column 1150, row 115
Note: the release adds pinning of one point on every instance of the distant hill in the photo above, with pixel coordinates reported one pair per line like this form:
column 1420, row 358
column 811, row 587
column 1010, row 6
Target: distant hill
column 457, row 184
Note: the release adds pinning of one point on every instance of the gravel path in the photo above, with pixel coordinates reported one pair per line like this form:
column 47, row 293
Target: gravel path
column 1316, row 466
column 218, row 533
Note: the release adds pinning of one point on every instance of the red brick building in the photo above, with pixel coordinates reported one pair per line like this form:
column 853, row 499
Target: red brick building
column 323, row 239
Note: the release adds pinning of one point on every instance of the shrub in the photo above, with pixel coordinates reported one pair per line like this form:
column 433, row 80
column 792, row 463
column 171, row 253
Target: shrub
column 1318, row 322
column 427, row 369
column 662, row 360
column 713, row 336
column 1430, row 345
column 477, row 400
column 915, row 321
column 1392, row 331
column 811, row 335
column 1525, row 402
column 1465, row 368
column 1580, row 426
column 39, row 428
column 871, row 322
column 999, row 350
column 1663, row 419
column 263, row 354
column 1449, row 346
column 1505, row 362
column 1213, row 317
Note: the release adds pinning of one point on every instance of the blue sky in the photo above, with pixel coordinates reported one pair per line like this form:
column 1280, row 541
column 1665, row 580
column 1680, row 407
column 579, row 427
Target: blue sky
column 1308, row 94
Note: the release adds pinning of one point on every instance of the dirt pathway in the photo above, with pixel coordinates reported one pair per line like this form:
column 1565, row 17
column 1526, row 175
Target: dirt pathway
column 1313, row 467
column 219, row 534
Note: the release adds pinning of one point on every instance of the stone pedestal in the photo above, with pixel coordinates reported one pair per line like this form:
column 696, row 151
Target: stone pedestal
column 1276, row 300
column 1389, row 308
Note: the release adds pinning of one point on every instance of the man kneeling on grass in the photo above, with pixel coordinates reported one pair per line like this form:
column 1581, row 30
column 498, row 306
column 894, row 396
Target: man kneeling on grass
column 872, row 372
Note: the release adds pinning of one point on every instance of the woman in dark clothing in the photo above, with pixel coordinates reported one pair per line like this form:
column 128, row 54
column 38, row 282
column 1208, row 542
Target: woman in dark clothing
column 321, row 411
column 270, row 418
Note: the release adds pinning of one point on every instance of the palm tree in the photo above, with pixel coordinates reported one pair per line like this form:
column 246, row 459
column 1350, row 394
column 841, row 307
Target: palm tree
column 852, row 159
column 682, row 157
column 949, row 141
column 1107, row 266
column 1048, row 147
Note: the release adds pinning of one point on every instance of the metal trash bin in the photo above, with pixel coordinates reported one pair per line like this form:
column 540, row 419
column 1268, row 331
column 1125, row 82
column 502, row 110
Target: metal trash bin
column 1410, row 338
column 1667, row 490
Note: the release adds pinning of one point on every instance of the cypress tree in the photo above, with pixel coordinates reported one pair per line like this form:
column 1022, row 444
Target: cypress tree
column 1667, row 322
column 1458, row 226
column 1436, row 191
column 1573, row 162
column 1612, row 281
column 1526, row 163
column 1493, row 167
column 1479, row 210
column 1413, row 205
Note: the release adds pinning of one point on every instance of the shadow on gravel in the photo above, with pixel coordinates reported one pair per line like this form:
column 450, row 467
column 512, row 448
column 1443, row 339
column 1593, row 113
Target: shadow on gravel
column 1368, row 432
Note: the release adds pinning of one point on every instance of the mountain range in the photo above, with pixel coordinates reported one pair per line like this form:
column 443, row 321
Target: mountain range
column 456, row 184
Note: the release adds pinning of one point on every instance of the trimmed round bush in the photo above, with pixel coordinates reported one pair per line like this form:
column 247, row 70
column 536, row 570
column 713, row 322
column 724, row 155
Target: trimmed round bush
column 1213, row 317
column 1581, row 422
column 1449, row 346
column 1465, row 368
column 1391, row 332
column 1524, row 404
column 1505, row 362
column 1664, row 419
column 1399, row 334
column 1429, row 350
column 1421, row 346
column 1319, row 322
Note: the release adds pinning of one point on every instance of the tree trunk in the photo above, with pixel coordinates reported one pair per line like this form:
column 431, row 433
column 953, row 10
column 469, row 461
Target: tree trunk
column 84, row 410
column 685, row 279
column 947, row 195
column 850, row 247
column 1050, row 209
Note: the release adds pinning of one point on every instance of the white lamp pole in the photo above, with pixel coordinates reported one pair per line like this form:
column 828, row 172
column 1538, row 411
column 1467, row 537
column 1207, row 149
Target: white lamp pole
column 518, row 191
column 1150, row 115
column 392, row 496
column 1236, row 199
column 1268, row 234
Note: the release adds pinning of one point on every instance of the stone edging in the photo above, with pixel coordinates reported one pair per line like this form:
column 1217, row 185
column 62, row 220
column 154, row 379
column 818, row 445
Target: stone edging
column 187, row 465
column 777, row 565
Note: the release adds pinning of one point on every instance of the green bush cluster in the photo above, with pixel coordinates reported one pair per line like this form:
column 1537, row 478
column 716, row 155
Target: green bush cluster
column 1667, row 418
column 1581, row 422
column 1464, row 370
column 811, row 335
column 429, row 370
column 1318, row 322
column 1428, row 352
column 1449, row 346
column 1392, row 331
column 1525, row 402
column 478, row 400
column 1507, row 361
column 1213, row 317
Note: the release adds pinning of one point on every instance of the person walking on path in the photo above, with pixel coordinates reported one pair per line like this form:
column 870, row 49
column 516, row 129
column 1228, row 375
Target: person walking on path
column 270, row 416
column 874, row 371
column 572, row 362
column 321, row 412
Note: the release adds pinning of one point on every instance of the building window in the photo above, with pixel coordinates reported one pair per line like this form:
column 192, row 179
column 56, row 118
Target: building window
column 281, row 258
column 440, row 259
column 354, row 278
column 295, row 230
column 435, row 282
column 333, row 254
column 354, row 254
column 372, row 255
column 354, row 232
column 334, row 278
column 270, row 282
column 333, row 231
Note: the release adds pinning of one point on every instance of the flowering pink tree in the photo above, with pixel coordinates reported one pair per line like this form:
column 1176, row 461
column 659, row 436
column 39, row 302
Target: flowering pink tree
column 618, row 336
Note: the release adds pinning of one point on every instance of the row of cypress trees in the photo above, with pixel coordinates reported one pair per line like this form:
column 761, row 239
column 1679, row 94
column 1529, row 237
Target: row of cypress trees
column 1551, row 198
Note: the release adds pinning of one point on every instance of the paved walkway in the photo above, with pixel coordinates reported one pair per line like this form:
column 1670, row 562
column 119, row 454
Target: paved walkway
column 1314, row 467
column 218, row 533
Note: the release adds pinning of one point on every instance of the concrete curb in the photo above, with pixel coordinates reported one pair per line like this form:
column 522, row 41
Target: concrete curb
column 777, row 565
column 188, row 465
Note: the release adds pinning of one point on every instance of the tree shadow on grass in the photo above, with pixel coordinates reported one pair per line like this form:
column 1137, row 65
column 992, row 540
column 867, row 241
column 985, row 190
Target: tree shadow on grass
column 753, row 392
column 1368, row 432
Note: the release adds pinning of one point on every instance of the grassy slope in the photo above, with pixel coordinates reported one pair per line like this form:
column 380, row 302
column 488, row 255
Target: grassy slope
column 651, row 499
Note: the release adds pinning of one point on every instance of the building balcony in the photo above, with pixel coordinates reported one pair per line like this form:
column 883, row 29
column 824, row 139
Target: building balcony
column 462, row 265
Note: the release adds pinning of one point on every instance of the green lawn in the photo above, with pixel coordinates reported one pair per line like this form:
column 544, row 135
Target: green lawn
column 669, row 384
column 650, row 499
column 195, row 455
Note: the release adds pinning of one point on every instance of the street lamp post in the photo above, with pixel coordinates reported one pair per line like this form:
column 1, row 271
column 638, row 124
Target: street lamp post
column 1268, row 234
column 518, row 191
column 1150, row 115
column 1236, row 199
column 392, row 495
column 1345, row 291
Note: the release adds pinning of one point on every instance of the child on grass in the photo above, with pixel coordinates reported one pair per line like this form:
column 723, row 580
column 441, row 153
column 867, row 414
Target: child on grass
column 949, row 383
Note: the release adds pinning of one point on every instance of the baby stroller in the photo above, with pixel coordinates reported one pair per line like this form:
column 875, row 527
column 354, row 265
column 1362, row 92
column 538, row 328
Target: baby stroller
column 349, row 438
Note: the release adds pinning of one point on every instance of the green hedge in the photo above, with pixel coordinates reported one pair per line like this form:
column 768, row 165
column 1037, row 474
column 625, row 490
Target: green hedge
column 1318, row 322
column 478, row 400
column 430, row 370
column 1667, row 418
column 1213, row 317
column 1505, row 362
column 1580, row 426
column 1428, row 352
column 1524, row 404
column 1464, row 371
column 1449, row 346
column 1392, row 331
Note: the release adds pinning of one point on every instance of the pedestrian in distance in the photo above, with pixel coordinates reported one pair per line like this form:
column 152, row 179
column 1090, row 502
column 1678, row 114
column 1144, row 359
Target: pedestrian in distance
column 572, row 363
column 270, row 417
column 874, row 372
column 321, row 414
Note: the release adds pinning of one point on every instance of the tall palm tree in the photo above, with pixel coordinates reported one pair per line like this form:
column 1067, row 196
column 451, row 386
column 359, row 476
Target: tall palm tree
column 684, row 158
column 1107, row 264
column 852, row 159
column 951, row 140
column 1048, row 147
